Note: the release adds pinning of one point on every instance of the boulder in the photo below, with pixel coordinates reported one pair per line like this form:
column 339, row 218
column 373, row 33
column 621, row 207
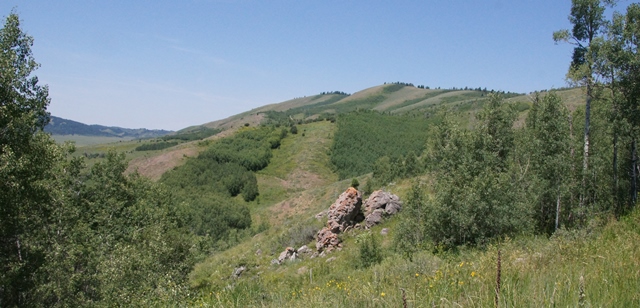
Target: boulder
column 326, row 240
column 304, row 250
column 342, row 214
column 378, row 205
column 238, row 271
column 374, row 218
column 288, row 254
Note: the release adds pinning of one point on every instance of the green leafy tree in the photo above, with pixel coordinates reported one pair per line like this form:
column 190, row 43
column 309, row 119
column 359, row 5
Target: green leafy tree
column 71, row 238
column 587, row 18
column 383, row 171
column 547, row 147
column 26, row 160
column 411, row 235
column 355, row 183
column 412, row 165
column 477, row 191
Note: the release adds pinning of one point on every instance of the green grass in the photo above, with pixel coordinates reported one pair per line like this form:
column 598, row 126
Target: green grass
column 81, row 140
column 301, row 162
column 536, row 272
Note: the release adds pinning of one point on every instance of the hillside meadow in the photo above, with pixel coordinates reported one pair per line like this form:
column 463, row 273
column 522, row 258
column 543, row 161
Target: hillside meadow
column 508, row 199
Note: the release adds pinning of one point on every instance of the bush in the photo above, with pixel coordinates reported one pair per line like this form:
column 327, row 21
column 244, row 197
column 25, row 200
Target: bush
column 369, row 249
column 197, row 134
column 156, row 146
column 355, row 183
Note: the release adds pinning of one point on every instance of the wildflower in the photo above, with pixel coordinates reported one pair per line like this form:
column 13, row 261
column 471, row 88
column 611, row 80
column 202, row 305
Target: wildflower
column 473, row 274
column 382, row 294
column 462, row 264
column 417, row 274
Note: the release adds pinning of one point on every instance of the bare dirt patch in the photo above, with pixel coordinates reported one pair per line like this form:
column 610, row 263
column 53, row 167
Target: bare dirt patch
column 153, row 167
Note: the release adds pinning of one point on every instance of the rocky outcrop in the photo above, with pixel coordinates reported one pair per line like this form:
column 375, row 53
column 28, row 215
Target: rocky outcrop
column 380, row 204
column 327, row 241
column 346, row 213
column 342, row 213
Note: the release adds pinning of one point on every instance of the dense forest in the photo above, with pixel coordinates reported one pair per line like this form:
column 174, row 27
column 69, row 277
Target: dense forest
column 74, row 235
column 364, row 137
column 204, row 186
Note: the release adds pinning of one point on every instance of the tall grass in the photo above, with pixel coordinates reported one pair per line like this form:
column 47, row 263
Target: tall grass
column 597, row 267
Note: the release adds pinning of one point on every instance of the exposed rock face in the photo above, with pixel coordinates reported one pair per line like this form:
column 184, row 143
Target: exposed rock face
column 374, row 218
column 379, row 205
column 342, row 215
column 326, row 240
column 346, row 212
column 343, row 212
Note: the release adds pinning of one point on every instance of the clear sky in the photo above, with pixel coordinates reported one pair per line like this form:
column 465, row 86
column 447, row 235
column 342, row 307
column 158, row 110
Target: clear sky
column 172, row 64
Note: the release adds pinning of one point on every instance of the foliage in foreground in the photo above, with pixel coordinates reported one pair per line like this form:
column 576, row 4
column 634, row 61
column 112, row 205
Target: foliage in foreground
column 71, row 236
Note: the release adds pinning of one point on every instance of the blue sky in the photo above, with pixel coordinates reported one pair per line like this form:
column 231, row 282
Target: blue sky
column 172, row 64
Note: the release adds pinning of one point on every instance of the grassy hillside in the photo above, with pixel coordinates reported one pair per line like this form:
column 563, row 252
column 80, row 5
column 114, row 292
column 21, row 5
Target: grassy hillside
column 588, row 265
column 593, row 267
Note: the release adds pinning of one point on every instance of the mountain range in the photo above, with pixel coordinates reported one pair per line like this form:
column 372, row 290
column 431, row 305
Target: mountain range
column 60, row 126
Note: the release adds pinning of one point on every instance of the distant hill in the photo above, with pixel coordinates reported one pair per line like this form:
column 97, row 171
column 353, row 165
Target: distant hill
column 60, row 126
column 393, row 98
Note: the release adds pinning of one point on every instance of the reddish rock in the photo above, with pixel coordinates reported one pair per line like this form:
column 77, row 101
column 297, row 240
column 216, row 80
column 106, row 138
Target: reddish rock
column 327, row 240
column 343, row 212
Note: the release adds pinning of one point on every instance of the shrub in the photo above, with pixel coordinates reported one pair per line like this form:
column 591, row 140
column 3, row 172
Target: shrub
column 369, row 249
column 156, row 146
column 355, row 183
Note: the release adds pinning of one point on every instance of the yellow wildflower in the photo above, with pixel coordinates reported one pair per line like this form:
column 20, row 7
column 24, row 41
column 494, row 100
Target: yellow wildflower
column 382, row 294
column 473, row 274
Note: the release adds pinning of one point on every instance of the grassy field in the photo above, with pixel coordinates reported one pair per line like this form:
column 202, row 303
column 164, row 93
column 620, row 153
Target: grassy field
column 596, row 267
column 81, row 140
column 299, row 165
